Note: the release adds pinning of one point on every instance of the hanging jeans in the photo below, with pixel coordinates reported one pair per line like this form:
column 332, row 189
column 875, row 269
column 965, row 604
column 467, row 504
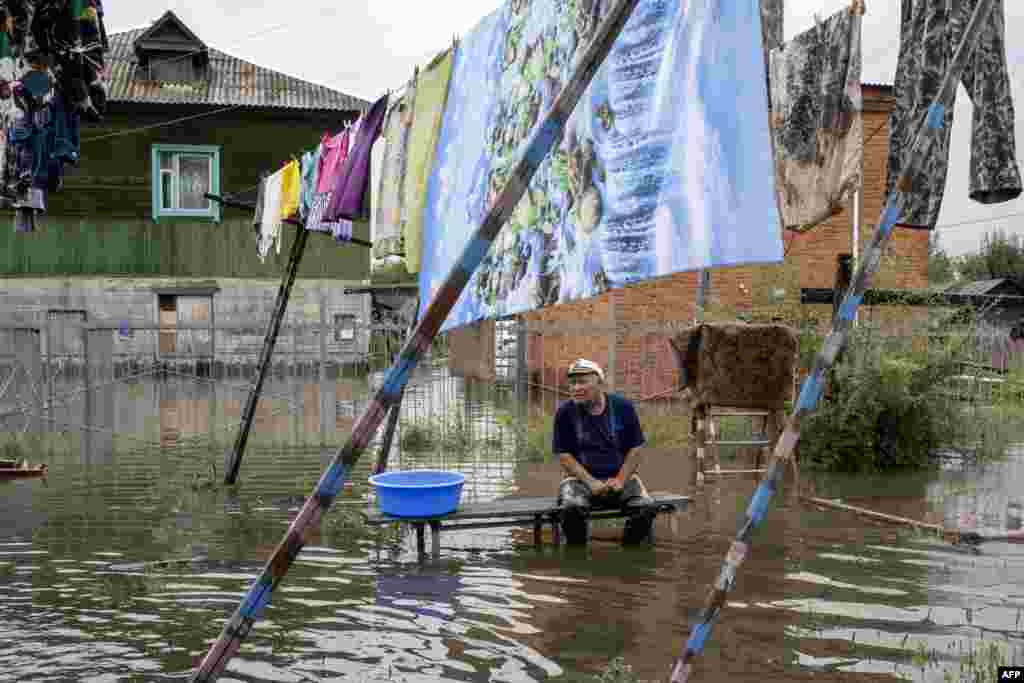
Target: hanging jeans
column 930, row 31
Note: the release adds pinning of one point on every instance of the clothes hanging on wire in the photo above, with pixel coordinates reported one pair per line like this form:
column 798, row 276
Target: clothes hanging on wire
column 930, row 30
column 428, row 115
column 348, row 197
column 291, row 188
column 388, row 246
column 270, row 219
column 376, row 163
column 61, row 46
column 772, row 18
column 817, row 119
column 310, row 173
column 332, row 154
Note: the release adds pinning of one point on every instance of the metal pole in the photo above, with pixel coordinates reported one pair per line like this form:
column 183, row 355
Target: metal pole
column 703, row 288
column 234, row 458
column 545, row 136
column 613, row 341
column 855, row 247
column 930, row 131
column 389, row 435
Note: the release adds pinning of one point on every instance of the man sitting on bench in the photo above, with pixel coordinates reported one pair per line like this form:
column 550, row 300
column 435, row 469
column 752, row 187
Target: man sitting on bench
column 597, row 437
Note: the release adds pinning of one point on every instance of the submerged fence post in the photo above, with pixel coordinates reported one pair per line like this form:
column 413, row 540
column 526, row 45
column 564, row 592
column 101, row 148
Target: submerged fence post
column 929, row 131
column 234, row 457
column 544, row 137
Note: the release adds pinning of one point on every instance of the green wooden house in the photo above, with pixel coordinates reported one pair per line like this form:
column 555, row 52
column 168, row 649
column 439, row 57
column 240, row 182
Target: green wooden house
column 132, row 240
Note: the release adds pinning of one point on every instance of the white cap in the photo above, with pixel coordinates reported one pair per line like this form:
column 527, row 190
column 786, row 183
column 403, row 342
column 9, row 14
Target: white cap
column 582, row 366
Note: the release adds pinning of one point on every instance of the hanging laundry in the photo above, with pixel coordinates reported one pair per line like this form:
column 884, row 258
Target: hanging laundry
column 333, row 152
column 772, row 21
column 310, row 172
column 376, row 162
column 428, row 115
column 354, row 132
column 348, row 198
column 817, row 119
column 388, row 262
column 653, row 173
column 270, row 223
column 291, row 186
column 773, row 14
column 60, row 48
column 387, row 240
column 930, row 30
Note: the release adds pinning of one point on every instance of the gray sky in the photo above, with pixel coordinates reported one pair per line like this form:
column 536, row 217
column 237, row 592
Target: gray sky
column 368, row 47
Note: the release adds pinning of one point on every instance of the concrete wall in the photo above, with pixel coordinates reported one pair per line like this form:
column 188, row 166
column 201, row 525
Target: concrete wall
column 241, row 311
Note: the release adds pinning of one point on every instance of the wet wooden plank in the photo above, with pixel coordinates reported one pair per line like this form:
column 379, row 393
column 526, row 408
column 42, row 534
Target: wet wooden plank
column 520, row 509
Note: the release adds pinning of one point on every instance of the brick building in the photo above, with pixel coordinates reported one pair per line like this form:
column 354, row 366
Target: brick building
column 627, row 328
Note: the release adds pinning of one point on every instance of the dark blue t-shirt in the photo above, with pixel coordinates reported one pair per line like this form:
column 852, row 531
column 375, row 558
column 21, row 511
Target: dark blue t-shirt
column 598, row 442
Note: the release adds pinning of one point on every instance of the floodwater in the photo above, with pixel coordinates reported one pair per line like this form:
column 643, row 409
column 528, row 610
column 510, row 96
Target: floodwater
column 124, row 562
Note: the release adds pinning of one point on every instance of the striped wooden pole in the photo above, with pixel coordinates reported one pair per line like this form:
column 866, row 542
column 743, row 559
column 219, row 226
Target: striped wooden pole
column 543, row 139
column 927, row 137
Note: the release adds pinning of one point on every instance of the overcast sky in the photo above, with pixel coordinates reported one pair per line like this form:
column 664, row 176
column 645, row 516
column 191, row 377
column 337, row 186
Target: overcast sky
column 369, row 47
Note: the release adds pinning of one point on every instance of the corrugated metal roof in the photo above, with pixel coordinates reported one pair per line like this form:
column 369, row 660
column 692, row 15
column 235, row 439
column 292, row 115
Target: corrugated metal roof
column 977, row 287
column 229, row 81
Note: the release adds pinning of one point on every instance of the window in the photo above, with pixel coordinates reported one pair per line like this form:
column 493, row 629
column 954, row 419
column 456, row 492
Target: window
column 182, row 175
column 344, row 328
column 177, row 69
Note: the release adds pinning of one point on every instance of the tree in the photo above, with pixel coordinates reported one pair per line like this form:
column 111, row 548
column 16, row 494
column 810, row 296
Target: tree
column 1001, row 255
column 941, row 268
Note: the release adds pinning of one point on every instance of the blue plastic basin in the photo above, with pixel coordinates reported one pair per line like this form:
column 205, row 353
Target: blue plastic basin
column 418, row 493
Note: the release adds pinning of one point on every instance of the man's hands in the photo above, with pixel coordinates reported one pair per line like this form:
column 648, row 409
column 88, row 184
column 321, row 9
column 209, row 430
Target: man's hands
column 601, row 488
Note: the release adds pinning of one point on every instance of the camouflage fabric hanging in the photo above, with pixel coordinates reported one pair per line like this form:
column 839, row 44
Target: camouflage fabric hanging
column 817, row 120
column 928, row 31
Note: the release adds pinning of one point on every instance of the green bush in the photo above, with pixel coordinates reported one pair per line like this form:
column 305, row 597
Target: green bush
column 417, row 437
column 888, row 406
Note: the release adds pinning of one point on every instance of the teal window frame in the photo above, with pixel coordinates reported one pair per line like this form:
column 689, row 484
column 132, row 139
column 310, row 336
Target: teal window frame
column 213, row 213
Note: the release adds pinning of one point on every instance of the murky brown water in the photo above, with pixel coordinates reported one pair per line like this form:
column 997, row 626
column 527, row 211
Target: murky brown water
column 824, row 596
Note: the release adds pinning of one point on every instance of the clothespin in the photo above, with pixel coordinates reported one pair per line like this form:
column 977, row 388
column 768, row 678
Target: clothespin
column 857, row 8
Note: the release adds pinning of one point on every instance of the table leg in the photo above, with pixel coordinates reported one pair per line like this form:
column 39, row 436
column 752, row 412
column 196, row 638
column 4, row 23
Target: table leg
column 421, row 545
column 435, row 539
column 556, row 529
column 538, row 525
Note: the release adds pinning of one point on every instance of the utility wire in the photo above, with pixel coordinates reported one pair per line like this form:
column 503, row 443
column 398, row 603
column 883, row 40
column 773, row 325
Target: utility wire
column 162, row 124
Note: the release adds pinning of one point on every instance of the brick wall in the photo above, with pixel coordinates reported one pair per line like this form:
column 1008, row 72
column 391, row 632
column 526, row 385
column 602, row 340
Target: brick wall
column 642, row 360
column 471, row 350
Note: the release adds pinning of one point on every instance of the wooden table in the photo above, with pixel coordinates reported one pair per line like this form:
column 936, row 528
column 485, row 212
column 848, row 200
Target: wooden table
column 506, row 512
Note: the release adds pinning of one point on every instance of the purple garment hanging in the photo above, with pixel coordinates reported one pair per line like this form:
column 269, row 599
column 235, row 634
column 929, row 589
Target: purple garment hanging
column 347, row 199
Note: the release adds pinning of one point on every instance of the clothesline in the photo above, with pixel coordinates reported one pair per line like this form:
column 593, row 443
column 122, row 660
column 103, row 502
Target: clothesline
column 235, row 204
column 325, row 189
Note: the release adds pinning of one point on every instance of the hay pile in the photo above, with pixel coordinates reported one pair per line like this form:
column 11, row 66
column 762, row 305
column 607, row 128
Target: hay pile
column 738, row 365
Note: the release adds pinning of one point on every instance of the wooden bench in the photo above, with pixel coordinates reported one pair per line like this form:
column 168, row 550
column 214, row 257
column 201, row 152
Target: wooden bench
column 507, row 512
